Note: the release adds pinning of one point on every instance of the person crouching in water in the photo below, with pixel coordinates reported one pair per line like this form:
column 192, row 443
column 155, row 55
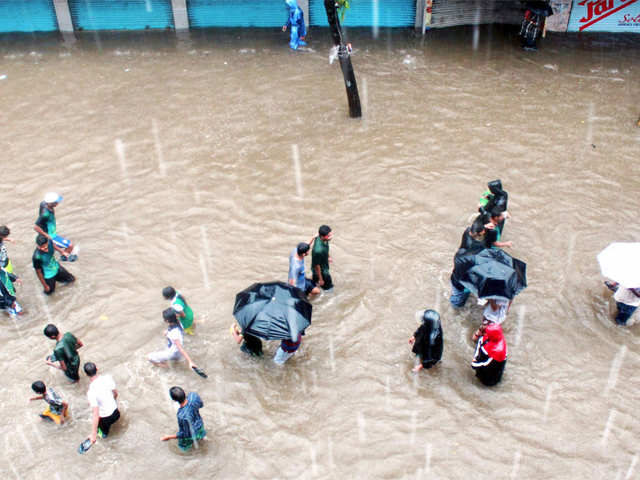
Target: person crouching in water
column 175, row 341
column 427, row 341
column 490, row 356
column 296, row 23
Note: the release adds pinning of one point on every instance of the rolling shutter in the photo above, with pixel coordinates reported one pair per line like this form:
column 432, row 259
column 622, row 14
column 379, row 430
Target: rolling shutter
column 121, row 14
column 448, row 13
column 27, row 16
column 368, row 13
column 237, row 13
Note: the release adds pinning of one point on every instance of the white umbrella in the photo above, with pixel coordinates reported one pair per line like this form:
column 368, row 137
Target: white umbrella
column 621, row 262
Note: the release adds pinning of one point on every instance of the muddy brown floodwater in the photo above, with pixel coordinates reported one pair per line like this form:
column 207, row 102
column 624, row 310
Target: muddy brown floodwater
column 176, row 161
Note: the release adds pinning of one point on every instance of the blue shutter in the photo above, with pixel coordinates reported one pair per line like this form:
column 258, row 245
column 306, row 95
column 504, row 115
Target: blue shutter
column 389, row 13
column 237, row 13
column 27, row 16
column 121, row 14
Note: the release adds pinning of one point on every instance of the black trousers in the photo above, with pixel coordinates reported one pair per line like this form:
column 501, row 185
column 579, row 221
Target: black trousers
column 105, row 422
column 62, row 276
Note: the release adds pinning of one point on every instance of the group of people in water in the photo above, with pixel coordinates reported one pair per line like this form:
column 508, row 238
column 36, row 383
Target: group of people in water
column 320, row 280
column 102, row 393
column 489, row 358
column 490, row 354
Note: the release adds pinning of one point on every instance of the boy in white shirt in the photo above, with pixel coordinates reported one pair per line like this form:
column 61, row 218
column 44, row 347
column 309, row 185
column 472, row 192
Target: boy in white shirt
column 102, row 397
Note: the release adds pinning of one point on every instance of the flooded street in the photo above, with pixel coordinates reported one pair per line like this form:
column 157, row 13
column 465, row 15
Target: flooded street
column 177, row 163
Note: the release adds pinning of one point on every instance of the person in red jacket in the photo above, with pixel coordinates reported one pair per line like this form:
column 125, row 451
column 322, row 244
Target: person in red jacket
column 490, row 356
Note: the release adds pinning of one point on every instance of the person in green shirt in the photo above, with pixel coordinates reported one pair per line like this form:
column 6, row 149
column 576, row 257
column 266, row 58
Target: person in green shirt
column 182, row 309
column 47, row 268
column 320, row 258
column 5, row 262
column 8, row 300
column 46, row 225
column 65, row 353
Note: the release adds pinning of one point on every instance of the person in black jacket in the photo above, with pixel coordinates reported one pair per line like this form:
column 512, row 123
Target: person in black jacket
column 427, row 341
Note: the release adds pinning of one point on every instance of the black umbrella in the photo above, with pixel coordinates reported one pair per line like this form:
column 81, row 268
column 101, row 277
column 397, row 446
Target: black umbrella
column 272, row 311
column 490, row 273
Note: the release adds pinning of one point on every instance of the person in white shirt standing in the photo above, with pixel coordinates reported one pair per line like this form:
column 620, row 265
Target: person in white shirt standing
column 102, row 397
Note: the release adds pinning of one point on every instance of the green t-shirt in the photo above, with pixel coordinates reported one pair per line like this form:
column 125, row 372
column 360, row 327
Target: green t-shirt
column 66, row 350
column 484, row 199
column 46, row 261
column 187, row 321
column 47, row 220
column 320, row 256
column 6, row 281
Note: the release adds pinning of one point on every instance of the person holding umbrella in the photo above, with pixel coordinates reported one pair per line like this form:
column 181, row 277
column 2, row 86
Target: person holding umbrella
column 620, row 262
column 272, row 311
column 627, row 301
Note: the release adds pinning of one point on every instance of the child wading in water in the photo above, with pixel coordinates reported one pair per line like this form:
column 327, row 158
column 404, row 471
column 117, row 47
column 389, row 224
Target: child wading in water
column 181, row 308
column 57, row 410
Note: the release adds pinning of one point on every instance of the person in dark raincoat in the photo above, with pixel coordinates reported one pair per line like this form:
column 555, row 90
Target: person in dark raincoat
column 535, row 15
column 490, row 356
column 427, row 341
column 295, row 23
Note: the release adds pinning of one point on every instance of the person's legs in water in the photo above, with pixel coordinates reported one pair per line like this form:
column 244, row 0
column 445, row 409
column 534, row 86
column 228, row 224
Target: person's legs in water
column 72, row 374
column 51, row 282
column 328, row 282
column 186, row 443
column 310, row 288
column 624, row 313
column 458, row 297
column 281, row 356
column 251, row 345
column 63, row 276
column 104, row 425
column 294, row 39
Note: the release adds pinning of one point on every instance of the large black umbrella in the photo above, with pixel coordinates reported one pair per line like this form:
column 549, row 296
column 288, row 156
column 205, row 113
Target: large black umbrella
column 272, row 311
column 490, row 273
